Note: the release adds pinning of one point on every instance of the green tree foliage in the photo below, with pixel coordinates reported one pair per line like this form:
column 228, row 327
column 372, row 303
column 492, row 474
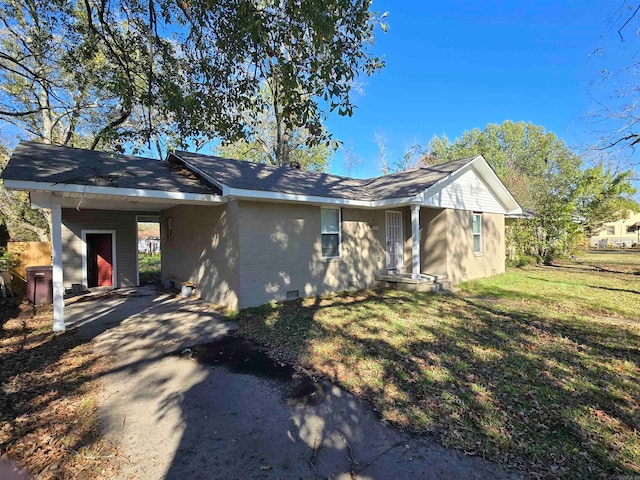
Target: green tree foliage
column 261, row 142
column 308, row 52
column 16, row 215
column 603, row 196
column 74, row 73
column 129, row 74
column 110, row 75
column 547, row 179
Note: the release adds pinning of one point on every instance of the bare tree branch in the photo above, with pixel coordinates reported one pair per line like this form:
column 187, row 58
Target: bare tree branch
column 627, row 22
column 23, row 114
column 113, row 124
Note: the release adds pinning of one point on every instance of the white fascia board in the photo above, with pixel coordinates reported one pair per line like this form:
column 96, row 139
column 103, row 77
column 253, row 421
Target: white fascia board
column 481, row 167
column 116, row 191
column 492, row 179
column 436, row 187
column 291, row 197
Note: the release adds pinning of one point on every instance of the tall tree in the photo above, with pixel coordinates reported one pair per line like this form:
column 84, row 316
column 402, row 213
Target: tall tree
column 261, row 142
column 523, row 155
column 614, row 117
column 603, row 196
column 308, row 52
column 116, row 74
column 547, row 178
column 73, row 73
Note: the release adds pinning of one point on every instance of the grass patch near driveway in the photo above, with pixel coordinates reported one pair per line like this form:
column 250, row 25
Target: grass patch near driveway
column 538, row 368
column 149, row 268
column 48, row 409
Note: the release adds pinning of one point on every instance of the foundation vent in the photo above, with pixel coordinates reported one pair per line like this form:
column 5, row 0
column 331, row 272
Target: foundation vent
column 293, row 294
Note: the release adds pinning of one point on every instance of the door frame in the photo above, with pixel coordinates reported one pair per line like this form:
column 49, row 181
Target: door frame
column 144, row 218
column 400, row 214
column 114, row 268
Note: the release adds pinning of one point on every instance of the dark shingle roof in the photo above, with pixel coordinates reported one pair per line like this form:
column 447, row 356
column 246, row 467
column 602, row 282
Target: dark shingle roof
column 412, row 182
column 252, row 176
column 255, row 176
column 37, row 162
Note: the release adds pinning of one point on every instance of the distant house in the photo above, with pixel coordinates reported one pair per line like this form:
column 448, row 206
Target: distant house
column 149, row 245
column 623, row 233
column 247, row 234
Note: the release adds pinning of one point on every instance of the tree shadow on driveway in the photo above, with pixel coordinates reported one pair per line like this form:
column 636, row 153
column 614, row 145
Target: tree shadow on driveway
column 186, row 400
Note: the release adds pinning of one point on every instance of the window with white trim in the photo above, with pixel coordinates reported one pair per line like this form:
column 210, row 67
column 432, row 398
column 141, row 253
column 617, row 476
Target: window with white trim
column 611, row 230
column 477, row 232
column 330, row 232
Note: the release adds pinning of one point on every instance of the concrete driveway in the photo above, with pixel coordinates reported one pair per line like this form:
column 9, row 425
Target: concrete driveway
column 224, row 410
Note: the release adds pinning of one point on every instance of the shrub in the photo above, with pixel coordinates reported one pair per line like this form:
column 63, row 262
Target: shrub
column 8, row 260
column 521, row 260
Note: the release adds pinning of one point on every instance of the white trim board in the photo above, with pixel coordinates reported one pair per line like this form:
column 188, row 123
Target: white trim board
column 115, row 191
column 241, row 194
column 468, row 189
column 114, row 273
column 144, row 219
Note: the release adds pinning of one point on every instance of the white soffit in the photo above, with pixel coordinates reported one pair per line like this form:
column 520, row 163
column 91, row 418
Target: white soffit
column 105, row 197
column 295, row 198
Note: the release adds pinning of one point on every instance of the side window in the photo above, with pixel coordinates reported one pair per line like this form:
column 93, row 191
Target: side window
column 477, row 232
column 330, row 231
column 611, row 230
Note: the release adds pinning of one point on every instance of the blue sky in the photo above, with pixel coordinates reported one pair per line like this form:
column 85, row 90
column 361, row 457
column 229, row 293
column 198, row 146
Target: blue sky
column 453, row 66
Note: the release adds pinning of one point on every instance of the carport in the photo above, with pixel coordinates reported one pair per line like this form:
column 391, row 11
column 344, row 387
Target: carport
column 95, row 208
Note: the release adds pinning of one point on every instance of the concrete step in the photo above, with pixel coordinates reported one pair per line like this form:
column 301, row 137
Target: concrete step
column 427, row 283
column 442, row 285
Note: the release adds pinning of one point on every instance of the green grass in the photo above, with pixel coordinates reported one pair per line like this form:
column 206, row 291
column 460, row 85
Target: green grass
column 538, row 368
column 149, row 268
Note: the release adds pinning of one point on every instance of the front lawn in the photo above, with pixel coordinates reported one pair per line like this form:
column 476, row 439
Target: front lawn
column 538, row 369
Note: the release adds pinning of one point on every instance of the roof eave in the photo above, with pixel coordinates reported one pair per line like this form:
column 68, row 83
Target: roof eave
column 244, row 194
column 487, row 174
column 490, row 176
column 62, row 188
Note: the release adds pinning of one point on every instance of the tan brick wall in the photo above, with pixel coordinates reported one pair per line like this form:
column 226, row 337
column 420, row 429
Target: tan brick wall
column 124, row 223
column 248, row 253
column 203, row 249
column 434, row 241
column 281, row 251
column 463, row 264
column 447, row 244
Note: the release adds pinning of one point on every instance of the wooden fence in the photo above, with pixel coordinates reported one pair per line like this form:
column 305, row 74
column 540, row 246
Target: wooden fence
column 29, row 254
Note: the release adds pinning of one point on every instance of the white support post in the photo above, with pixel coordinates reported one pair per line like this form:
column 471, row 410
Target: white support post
column 58, row 285
column 415, row 241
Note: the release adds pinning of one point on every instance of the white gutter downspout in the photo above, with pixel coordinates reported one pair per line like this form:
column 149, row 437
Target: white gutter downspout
column 58, row 285
column 415, row 241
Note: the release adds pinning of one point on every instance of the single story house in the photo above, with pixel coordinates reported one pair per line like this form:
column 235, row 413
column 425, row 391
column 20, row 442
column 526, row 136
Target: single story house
column 247, row 233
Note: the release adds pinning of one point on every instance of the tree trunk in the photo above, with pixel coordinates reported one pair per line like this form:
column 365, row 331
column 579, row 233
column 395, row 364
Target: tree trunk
column 47, row 122
column 286, row 135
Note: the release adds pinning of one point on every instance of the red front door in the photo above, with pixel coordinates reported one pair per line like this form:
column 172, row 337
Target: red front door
column 99, row 260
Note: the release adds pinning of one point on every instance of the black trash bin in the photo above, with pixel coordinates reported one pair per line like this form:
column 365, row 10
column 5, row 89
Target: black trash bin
column 40, row 285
